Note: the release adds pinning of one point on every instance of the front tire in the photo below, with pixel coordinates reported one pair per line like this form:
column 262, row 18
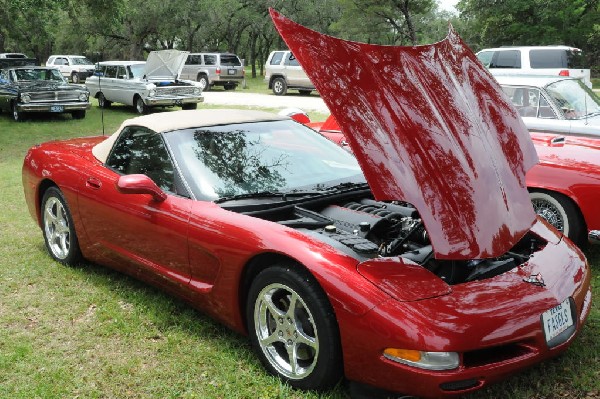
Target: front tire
column 18, row 116
column 58, row 228
column 189, row 106
column 204, row 84
column 78, row 114
column 293, row 328
column 560, row 211
column 140, row 107
column 279, row 86
column 304, row 92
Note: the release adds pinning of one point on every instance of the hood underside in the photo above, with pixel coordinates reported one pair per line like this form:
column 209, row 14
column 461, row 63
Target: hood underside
column 430, row 126
column 165, row 64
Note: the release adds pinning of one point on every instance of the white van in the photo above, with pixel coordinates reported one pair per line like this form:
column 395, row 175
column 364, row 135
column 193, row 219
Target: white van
column 536, row 60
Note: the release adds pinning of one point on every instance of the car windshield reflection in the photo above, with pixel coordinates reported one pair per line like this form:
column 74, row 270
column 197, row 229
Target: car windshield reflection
column 574, row 98
column 276, row 156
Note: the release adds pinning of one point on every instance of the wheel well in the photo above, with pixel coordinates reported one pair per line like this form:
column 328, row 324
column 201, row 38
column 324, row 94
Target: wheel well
column 251, row 270
column 273, row 77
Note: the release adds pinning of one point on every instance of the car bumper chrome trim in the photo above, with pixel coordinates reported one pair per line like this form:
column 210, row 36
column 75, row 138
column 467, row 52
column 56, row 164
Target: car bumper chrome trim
column 158, row 101
column 594, row 237
column 46, row 107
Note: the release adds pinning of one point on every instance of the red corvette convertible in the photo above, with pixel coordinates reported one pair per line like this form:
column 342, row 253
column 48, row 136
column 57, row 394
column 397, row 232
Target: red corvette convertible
column 418, row 266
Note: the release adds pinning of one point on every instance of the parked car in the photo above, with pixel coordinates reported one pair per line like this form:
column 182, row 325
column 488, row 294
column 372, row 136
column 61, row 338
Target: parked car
column 214, row 69
column 554, row 104
column 145, row 85
column 536, row 60
column 283, row 72
column 28, row 89
column 74, row 67
column 429, row 125
column 12, row 55
column 432, row 281
column 564, row 187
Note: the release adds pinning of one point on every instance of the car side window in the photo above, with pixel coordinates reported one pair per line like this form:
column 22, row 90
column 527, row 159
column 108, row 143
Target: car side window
column 210, row 60
column 291, row 60
column 61, row 61
column 485, row 57
column 193, row 59
column 545, row 110
column 111, row 71
column 276, row 59
column 506, row 59
column 121, row 73
column 142, row 151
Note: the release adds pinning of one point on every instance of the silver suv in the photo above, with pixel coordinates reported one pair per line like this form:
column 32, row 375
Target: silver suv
column 214, row 69
column 74, row 67
column 283, row 72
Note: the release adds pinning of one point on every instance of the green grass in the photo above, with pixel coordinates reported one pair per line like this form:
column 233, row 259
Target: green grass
column 596, row 83
column 89, row 332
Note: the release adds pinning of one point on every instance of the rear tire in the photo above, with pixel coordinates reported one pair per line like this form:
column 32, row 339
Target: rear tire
column 189, row 106
column 279, row 86
column 58, row 228
column 102, row 101
column 75, row 78
column 229, row 87
column 293, row 328
column 560, row 211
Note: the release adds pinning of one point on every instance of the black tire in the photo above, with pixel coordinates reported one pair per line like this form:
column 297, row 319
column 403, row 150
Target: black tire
column 102, row 101
column 140, row 107
column 279, row 86
column 58, row 228
column 18, row 116
column 229, row 87
column 189, row 106
column 204, row 84
column 560, row 211
column 78, row 114
column 310, row 326
column 305, row 92
column 75, row 78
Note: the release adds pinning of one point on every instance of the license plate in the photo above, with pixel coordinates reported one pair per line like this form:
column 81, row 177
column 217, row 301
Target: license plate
column 231, row 71
column 57, row 108
column 557, row 319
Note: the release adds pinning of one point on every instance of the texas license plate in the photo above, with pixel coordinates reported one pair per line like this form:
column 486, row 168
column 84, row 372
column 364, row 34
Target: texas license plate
column 57, row 108
column 557, row 319
column 231, row 71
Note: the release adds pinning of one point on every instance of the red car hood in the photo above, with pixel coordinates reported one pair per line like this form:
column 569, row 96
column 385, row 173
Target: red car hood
column 430, row 126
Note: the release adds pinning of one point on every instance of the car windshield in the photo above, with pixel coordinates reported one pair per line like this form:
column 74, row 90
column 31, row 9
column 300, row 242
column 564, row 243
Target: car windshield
column 137, row 70
column 23, row 75
column 277, row 156
column 81, row 61
column 574, row 99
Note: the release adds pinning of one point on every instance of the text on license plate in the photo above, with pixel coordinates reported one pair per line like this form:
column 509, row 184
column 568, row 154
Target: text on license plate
column 57, row 108
column 557, row 319
column 231, row 71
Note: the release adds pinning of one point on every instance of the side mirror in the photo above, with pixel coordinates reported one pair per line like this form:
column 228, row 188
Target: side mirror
column 140, row 184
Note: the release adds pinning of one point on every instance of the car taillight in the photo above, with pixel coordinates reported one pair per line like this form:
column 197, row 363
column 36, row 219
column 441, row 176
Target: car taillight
column 564, row 72
column 218, row 71
column 243, row 72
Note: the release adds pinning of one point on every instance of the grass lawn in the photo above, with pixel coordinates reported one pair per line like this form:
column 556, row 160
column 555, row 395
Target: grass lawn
column 89, row 332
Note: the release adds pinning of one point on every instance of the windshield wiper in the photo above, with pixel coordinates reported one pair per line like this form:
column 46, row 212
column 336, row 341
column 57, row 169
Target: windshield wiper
column 343, row 186
column 269, row 194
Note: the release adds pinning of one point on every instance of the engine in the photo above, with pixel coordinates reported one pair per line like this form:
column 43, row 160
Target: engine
column 366, row 229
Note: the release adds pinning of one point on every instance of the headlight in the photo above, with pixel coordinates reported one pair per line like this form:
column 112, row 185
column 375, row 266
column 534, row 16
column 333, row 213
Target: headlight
column 423, row 360
column 197, row 91
column 152, row 93
column 83, row 96
column 25, row 98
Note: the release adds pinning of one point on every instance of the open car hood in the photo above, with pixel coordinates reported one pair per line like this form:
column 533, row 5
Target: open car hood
column 165, row 64
column 430, row 126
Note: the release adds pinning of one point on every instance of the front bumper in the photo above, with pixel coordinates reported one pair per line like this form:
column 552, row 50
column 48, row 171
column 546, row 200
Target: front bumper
column 47, row 107
column 171, row 101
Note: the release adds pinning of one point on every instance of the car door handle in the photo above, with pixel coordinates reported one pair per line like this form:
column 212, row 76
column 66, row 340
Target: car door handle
column 94, row 183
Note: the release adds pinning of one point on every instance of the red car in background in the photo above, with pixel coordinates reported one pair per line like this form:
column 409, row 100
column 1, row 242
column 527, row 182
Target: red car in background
column 564, row 186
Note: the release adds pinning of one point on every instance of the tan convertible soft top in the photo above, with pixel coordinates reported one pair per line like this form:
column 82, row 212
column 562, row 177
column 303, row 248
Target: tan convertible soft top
column 162, row 122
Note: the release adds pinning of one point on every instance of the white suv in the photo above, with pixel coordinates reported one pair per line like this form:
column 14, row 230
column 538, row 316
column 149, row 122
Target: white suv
column 283, row 72
column 74, row 67
column 536, row 60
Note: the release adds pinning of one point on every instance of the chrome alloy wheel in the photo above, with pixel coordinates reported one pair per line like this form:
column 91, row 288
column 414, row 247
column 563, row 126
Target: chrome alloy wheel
column 56, row 227
column 286, row 331
column 551, row 212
